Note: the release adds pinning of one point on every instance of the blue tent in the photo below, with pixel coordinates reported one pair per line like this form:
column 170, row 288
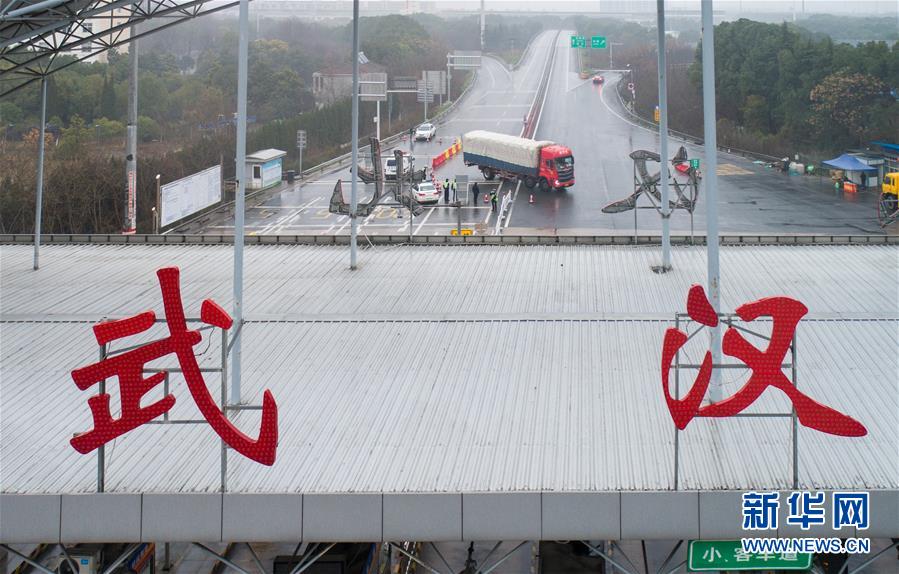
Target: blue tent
column 848, row 163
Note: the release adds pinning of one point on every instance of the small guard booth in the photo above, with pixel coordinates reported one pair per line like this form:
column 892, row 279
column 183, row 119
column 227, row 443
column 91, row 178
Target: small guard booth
column 264, row 168
column 856, row 171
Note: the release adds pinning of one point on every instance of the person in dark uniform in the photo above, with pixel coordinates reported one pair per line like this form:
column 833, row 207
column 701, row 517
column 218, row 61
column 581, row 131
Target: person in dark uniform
column 493, row 199
column 446, row 190
column 475, row 192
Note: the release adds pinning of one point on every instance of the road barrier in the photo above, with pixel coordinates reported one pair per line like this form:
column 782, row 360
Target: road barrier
column 445, row 156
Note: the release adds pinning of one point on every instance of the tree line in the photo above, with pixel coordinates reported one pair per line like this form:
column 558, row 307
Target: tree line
column 780, row 90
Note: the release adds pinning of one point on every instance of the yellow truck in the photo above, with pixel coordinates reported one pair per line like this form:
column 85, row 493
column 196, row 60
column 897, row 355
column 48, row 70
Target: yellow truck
column 888, row 208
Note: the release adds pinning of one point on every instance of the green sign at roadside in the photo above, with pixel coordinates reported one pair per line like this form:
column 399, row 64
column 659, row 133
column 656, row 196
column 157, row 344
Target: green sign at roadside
column 694, row 163
column 598, row 42
column 709, row 555
column 578, row 41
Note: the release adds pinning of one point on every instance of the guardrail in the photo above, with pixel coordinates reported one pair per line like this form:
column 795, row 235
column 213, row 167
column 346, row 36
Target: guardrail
column 533, row 115
column 645, row 122
column 604, row 239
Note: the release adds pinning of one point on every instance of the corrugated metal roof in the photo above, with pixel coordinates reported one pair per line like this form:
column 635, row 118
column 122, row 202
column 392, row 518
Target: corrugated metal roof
column 457, row 282
column 453, row 369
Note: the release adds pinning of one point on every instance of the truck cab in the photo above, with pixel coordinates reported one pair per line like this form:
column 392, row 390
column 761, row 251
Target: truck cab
column 556, row 167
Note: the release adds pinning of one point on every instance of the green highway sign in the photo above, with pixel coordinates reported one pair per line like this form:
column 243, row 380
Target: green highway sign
column 578, row 41
column 694, row 163
column 709, row 555
column 598, row 42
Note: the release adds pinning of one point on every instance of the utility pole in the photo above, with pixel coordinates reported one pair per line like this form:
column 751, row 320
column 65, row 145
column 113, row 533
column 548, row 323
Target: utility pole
column 130, row 225
column 663, row 139
column 239, row 205
column 711, row 185
column 354, row 230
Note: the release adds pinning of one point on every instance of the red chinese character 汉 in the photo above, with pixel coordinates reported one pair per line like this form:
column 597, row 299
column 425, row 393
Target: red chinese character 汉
column 128, row 367
column 765, row 366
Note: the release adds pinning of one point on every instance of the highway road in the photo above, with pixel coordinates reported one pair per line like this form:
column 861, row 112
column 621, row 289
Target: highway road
column 591, row 120
column 498, row 101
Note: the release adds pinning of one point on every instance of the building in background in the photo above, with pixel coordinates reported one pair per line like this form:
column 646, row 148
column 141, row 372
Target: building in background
column 336, row 82
column 95, row 28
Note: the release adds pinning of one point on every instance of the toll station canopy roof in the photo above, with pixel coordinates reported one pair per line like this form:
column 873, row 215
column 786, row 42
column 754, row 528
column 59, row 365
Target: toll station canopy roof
column 481, row 392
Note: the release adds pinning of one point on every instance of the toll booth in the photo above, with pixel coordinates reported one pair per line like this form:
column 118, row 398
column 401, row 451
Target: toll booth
column 263, row 168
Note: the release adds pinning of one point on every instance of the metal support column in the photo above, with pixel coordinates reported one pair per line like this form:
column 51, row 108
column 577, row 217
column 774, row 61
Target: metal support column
column 663, row 139
column 449, row 80
column 101, row 452
column 378, row 120
column 354, row 197
column 130, row 224
column 711, row 185
column 483, row 26
column 39, row 201
column 240, row 172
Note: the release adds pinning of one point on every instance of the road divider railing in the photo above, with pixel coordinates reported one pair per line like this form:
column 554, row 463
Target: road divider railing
column 689, row 138
column 446, row 155
column 533, row 116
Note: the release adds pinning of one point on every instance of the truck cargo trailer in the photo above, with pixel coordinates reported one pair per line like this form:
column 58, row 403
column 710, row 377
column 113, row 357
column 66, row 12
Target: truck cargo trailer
column 543, row 164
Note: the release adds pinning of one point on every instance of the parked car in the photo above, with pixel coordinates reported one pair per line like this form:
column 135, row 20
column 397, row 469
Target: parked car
column 390, row 166
column 426, row 192
column 597, row 79
column 425, row 132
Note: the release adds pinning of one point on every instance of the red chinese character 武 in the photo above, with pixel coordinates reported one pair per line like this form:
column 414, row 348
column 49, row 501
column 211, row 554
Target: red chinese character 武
column 765, row 366
column 128, row 367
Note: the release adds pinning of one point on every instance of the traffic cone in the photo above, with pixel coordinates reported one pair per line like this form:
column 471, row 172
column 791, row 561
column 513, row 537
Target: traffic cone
column 486, row 198
column 531, row 198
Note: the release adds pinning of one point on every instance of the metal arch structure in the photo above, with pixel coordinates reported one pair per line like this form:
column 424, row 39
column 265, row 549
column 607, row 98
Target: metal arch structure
column 35, row 33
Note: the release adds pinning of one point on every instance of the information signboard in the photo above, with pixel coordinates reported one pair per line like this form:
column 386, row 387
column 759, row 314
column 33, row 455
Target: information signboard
column 425, row 91
column 373, row 87
column 186, row 196
column 719, row 555
column 578, row 41
column 437, row 79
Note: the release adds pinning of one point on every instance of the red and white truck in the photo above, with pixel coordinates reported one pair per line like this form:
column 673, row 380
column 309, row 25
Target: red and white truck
column 542, row 164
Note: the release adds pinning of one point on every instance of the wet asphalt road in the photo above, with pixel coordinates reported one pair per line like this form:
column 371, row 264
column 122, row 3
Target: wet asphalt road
column 589, row 119
column 498, row 101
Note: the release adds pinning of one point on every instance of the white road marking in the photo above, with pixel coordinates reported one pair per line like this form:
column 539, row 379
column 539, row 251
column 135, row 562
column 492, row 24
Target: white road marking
column 423, row 221
column 279, row 224
column 512, row 207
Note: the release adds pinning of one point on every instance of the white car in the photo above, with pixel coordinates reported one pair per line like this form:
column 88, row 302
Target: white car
column 425, row 192
column 425, row 132
column 390, row 167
